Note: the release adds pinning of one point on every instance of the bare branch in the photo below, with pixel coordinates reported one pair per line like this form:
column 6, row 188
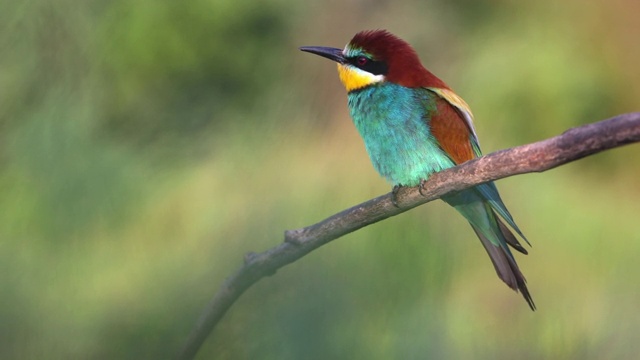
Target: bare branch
column 572, row 145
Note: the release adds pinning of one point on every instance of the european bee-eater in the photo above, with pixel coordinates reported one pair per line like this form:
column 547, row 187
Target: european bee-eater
column 414, row 125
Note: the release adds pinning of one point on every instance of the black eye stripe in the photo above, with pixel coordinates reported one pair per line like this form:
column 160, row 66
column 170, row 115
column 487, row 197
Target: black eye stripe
column 371, row 66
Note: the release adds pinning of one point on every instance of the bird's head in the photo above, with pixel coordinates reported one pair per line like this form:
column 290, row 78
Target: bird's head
column 376, row 56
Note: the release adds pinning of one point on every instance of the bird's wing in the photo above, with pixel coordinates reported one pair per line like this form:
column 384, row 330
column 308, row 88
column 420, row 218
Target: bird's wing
column 452, row 126
column 464, row 115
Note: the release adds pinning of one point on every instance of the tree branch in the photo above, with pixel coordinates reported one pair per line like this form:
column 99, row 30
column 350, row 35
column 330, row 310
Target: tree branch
column 572, row 145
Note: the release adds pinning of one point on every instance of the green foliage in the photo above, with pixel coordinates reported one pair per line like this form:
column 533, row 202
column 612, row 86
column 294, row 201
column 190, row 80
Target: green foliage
column 176, row 70
column 145, row 147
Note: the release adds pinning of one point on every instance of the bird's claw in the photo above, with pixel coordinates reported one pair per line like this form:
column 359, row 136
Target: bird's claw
column 394, row 193
column 421, row 187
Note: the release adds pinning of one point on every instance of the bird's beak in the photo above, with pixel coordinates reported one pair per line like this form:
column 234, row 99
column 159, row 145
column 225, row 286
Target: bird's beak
column 330, row 53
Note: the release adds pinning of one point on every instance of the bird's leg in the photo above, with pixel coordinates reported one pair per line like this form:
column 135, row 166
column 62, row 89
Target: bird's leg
column 422, row 187
column 394, row 192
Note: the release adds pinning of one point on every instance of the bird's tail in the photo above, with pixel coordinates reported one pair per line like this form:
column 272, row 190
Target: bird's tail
column 494, row 235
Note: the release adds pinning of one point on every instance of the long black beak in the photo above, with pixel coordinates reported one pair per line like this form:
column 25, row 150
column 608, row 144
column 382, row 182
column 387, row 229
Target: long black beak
column 328, row 52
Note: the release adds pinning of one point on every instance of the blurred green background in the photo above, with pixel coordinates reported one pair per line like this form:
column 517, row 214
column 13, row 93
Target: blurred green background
column 145, row 147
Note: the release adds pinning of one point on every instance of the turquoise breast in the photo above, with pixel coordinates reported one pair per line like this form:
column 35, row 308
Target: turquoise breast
column 394, row 123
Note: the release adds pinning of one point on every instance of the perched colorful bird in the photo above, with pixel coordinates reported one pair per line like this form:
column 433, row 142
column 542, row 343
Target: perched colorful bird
column 414, row 125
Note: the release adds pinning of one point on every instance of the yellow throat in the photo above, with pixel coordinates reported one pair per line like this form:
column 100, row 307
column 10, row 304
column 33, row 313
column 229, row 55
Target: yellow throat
column 353, row 78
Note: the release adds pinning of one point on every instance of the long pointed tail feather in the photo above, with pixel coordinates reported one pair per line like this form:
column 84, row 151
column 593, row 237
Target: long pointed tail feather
column 495, row 236
column 510, row 238
column 505, row 265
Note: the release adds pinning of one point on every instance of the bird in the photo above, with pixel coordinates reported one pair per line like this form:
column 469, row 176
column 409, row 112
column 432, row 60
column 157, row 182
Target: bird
column 414, row 125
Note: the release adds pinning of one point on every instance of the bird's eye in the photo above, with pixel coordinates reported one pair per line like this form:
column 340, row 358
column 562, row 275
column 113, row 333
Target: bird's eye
column 375, row 67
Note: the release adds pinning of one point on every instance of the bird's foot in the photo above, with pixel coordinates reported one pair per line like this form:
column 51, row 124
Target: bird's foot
column 394, row 193
column 422, row 187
